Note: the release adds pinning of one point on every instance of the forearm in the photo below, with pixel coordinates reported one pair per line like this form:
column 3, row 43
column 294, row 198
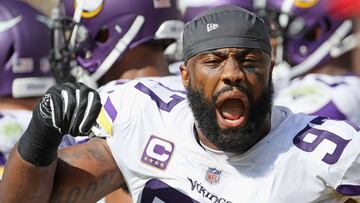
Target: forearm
column 85, row 173
column 26, row 182
column 30, row 172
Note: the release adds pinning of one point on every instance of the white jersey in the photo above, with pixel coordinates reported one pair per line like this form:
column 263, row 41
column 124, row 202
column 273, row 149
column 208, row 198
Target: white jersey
column 302, row 159
column 336, row 97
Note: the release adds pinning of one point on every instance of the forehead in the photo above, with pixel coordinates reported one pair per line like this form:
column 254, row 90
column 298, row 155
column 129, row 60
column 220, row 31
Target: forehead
column 236, row 51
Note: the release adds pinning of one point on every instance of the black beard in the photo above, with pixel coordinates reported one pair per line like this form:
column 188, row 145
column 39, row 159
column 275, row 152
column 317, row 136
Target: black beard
column 236, row 140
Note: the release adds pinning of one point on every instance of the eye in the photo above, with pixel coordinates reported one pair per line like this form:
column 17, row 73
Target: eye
column 212, row 61
column 250, row 65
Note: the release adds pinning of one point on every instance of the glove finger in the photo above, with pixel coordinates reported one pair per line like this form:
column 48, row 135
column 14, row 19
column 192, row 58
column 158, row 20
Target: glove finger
column 81, row 95
column 69, row 104
column 91, row 113
column 51, row 104
column 77, row 110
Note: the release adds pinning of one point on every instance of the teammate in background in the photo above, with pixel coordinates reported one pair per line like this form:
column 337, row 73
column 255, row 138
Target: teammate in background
column 346, row 9
column 317, row 49
column 199, row 146
column 349, row 9
column 123, row 39
column 24, row 70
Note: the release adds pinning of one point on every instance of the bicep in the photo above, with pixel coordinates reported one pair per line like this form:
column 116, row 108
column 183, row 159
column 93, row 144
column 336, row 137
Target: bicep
column 85, row 173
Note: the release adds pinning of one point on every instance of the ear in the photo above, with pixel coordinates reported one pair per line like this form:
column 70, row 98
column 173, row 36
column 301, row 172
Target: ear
column 184, row 76
column 272, row 65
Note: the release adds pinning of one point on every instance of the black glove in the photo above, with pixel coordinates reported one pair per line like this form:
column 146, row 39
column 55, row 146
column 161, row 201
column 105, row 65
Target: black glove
column 64, row 109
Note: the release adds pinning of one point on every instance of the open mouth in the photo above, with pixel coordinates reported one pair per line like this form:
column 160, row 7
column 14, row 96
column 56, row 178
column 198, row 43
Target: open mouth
column 232, row 110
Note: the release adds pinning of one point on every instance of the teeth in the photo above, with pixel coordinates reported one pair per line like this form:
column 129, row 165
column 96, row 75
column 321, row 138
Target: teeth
column 231, row 121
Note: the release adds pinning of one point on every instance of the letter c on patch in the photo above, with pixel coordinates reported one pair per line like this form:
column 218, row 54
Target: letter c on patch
column 159, row 149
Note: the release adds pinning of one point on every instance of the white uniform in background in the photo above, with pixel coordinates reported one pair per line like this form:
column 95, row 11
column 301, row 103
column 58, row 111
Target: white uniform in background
column 12, row 125
column 302, row 159
column 336, row 97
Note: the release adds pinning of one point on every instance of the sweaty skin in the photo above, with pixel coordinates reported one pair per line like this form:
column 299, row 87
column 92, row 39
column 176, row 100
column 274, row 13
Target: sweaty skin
column 216, row 70
column 82, row 173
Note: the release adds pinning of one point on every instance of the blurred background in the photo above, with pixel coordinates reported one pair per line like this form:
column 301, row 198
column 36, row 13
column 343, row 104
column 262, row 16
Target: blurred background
column 315, row 49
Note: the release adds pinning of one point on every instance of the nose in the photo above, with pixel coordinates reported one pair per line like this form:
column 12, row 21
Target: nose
column 232, row 72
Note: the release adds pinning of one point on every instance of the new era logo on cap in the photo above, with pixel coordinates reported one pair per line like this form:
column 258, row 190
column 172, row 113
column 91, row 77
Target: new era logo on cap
column 211, row 26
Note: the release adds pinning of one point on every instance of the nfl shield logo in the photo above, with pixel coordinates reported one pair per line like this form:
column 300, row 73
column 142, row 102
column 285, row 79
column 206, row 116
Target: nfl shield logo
column 213, row 175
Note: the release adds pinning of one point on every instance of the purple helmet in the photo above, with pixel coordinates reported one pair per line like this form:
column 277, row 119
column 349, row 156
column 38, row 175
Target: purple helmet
column 114, row 26
column 25, row 44
column 192, row 11
column 310, row 34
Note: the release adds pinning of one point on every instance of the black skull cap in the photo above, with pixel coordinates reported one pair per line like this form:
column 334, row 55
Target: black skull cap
column 225, row 26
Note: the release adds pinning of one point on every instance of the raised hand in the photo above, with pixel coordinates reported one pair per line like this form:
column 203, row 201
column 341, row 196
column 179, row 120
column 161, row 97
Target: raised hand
column 64, row 109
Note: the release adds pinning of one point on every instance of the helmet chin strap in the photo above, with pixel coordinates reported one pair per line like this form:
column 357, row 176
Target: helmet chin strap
column 119, row 48
column 322, row 51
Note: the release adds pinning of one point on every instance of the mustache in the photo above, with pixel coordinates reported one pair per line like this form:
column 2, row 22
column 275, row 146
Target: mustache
column 240, row 87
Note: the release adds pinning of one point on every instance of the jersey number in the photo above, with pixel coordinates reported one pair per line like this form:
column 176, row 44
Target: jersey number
column 157, row 191
column 329, row 158
column 166, row 106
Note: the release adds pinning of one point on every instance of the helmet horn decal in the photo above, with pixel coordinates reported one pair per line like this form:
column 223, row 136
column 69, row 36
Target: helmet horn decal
column 305, row 3
column 119, row 48
column 8, row 24
column 89, row 8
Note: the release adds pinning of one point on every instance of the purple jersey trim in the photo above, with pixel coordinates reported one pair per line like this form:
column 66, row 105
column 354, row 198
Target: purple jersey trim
column 110, row 109
column 330, row 110
column 170, row 89
column 157, row 189
column 121, row 81
column 356, row 127
column 349, row 190
column 331, row 84
column 2, row 159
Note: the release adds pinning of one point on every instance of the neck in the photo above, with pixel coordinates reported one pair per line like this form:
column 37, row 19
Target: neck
column 336, row 66
column 203, row 139
column 141, row 61
column 18, row 104
column 332, row 70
